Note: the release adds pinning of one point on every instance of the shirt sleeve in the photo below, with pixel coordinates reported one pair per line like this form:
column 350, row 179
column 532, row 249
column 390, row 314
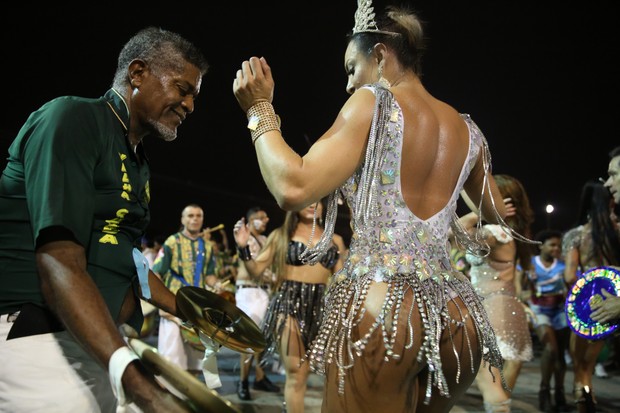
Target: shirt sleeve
column 60, row 154
column 163, row 261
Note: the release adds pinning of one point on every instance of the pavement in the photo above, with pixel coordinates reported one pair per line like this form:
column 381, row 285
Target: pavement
column 525, row 395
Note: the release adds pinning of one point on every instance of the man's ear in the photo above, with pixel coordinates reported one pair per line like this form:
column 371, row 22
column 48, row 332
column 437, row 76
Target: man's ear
column 136, row 71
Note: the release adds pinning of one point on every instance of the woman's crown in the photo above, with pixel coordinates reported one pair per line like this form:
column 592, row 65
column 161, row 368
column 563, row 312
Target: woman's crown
column 365, row 19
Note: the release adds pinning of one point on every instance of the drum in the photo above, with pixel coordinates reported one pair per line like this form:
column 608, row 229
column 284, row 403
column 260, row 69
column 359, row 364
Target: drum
column 585, row 291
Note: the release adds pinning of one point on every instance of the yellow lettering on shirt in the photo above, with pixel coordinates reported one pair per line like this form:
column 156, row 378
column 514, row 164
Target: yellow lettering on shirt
column 108, row 239
column 112, row 225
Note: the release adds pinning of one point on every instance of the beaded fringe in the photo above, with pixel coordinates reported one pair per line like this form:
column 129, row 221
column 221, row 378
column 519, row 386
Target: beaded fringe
column 335, row 343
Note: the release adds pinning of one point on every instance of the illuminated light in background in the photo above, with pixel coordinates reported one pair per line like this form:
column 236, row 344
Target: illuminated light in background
column 549, row 209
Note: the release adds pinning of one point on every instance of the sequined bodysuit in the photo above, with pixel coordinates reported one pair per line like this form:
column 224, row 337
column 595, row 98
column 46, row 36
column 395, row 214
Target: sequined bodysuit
column 494, row 281
column 390, row 244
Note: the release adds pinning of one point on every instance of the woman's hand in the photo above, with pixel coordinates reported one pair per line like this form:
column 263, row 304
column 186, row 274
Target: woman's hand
column 511, row 210
column 253, row 83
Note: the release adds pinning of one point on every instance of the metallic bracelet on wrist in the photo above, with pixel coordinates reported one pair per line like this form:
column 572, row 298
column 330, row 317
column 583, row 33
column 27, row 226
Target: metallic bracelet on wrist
column 244, row 253
column 261, row 119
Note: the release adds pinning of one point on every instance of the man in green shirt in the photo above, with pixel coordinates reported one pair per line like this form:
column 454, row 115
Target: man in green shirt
column 187, row 260
column 74, row 204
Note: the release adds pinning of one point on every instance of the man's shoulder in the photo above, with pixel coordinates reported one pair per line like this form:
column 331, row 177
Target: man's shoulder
column 172, row 240
column 72, row 103
column 69, row 110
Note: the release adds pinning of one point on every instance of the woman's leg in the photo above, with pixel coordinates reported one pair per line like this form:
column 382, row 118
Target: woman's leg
column 562, row 337
column 546, row 335
column 291, row 352
column 511, row 371
column 495, row 398
column 584, row 354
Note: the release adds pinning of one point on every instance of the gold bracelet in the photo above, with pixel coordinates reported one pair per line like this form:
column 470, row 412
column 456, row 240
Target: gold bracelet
column 262, row 118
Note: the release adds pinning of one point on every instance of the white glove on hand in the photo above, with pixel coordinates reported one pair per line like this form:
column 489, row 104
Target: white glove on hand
column 209, row 361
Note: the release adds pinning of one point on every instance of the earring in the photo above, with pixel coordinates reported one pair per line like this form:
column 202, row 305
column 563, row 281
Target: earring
column 383, row 81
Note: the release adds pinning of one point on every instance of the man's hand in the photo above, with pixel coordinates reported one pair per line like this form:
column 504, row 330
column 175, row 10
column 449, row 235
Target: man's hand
column 241, row 231
column 607, row 310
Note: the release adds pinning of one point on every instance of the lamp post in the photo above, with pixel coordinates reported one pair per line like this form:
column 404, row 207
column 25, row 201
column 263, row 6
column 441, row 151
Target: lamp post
column 549, row 209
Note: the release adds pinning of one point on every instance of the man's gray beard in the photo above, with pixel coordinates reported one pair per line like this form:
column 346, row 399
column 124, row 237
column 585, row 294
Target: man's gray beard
column 163, row 132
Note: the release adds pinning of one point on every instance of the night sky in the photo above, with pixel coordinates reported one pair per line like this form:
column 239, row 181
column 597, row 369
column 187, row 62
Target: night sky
column 536, row 76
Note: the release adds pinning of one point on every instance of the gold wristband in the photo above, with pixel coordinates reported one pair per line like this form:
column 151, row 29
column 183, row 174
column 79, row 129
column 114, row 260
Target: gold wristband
column 262, row 118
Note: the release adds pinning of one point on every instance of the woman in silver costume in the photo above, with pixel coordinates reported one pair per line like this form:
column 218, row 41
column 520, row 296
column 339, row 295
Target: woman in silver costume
column 498, row 280
column 402, row 330
column 296, row 307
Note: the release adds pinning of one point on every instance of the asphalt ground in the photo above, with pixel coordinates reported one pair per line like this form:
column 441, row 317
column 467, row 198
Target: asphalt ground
column 525, row 395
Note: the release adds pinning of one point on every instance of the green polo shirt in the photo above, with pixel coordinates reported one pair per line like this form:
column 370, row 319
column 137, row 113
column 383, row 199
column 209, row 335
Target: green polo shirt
column 71, row 165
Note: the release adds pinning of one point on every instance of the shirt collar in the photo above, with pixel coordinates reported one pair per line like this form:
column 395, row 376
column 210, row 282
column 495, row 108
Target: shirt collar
column 119, row 106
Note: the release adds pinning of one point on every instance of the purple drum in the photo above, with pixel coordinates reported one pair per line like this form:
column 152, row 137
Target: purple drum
column 585, row 291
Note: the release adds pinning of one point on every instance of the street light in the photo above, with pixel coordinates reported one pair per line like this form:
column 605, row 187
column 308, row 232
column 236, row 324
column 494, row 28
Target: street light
column 549, row 209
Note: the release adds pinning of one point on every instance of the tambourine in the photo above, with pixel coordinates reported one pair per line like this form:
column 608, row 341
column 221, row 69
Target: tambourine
column 194, row 393
column 220, row 320
column 587, row 290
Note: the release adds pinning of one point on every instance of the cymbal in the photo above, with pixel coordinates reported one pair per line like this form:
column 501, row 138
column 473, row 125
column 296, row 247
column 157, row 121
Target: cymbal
column 220, row 320
column 199, row 397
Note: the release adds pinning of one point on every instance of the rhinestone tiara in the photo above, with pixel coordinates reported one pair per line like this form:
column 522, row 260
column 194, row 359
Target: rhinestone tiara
column 365, row 19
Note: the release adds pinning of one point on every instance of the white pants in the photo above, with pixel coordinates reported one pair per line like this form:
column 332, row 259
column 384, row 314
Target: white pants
column 171, row 345
column 253, row 302
column 50, row 373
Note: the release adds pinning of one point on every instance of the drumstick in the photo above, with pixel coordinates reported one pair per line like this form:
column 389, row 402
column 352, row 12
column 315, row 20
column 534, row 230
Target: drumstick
column 216, row 228
column 203, row 398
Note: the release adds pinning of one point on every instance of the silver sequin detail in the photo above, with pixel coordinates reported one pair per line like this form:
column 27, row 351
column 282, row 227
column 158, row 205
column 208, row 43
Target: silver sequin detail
column 410, row 255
